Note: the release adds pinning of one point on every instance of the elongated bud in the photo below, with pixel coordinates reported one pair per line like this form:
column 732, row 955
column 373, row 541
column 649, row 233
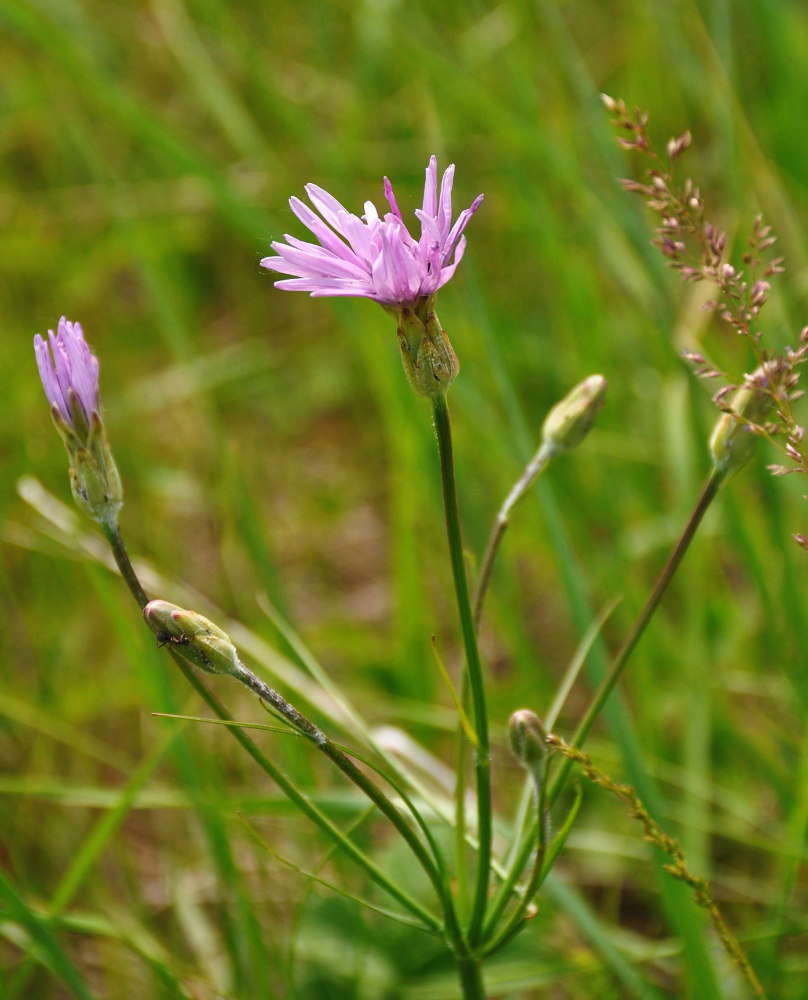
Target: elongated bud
column 94, row 478
column 527, row 739
column 194, row 637
column 570, row 420
column 430, row 362
column 69, row 373
column 735, row 435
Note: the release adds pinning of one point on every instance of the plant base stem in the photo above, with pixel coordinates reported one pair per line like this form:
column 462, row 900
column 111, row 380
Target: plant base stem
column 471, row 978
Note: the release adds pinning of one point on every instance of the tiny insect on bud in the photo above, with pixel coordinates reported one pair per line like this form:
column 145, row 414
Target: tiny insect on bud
column 193, row 637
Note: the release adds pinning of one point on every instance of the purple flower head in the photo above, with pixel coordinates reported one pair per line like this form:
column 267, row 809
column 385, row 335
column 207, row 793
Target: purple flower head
column 68, row 364
column 375, row 256
column 69, row 373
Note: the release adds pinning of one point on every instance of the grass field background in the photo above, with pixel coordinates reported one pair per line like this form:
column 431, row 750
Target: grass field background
column 269, row 445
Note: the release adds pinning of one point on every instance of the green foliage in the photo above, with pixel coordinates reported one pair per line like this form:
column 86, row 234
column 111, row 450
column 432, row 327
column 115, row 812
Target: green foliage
column 271, row 444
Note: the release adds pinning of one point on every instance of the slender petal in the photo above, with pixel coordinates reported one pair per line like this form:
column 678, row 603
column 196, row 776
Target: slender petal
column 68, row 364
column 372, row 256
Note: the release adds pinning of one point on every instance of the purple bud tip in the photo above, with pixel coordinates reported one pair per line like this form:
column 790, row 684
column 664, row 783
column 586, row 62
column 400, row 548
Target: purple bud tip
column 68, row 363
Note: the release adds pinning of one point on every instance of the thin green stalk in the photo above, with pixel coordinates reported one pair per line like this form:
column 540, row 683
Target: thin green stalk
column 453, row 931
column 346, row 765
column 305, row 805
column 298, row 798
column 112, row 533
column 461, row 857
column 482, row 764
column 538, row 876
column 533, row 470
column 397, row 784
column 618, row 664
column 516, row 919
column 392, row 768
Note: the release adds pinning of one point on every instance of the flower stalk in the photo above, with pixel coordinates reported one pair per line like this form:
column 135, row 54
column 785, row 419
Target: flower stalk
column 207, row 647
column 474, row 672
column 305, row 805
column 564, row 428
column 112, row 533
column 556, row 784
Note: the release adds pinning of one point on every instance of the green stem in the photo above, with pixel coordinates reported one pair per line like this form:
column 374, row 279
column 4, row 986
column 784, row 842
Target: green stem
column 346, row 765
column 112, row 534
column 516, row 919
column 533, row 470
column 304, row 804
column 482, row 763
column 471, row 977
column 461, row 857
column 618, row 664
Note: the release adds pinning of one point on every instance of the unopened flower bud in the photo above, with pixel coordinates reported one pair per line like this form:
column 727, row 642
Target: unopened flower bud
column 194, row 637
column 735, row 435
column 527, row 739
column 569, row 421
column 69, row 373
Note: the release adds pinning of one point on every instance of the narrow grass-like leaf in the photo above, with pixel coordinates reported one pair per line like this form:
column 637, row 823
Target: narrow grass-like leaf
column 400, row 918
column 45, row 947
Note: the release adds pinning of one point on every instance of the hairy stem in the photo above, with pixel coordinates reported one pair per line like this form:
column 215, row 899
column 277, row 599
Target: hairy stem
column 346, row 765
column 113, row 536
column 304, row 804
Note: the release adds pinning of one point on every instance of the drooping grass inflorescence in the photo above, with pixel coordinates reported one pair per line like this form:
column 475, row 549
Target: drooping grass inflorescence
column 758, row 403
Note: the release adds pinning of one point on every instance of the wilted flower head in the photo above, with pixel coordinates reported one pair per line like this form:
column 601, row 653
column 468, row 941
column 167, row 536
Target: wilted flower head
column 69, row 373
column 375, row 256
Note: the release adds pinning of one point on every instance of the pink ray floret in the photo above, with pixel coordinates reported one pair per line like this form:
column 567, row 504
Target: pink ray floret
column 375, row 256
column 68, row 364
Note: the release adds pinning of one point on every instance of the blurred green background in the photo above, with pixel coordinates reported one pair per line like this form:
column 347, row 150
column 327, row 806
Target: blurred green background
column 270, row 445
